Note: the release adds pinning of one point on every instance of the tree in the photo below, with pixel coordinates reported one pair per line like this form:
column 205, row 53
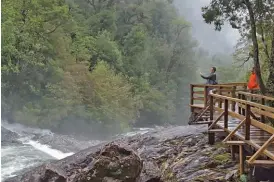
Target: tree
column 244, row 15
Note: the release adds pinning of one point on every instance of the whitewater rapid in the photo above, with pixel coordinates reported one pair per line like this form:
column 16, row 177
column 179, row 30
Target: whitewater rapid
column 33, row 147
column 26, row 153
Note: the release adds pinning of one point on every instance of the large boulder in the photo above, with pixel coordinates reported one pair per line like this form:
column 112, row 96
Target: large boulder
column 44, row 173
column 114, row 163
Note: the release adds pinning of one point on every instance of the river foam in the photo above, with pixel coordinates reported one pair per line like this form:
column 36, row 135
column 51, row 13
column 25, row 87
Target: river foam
column 26, row 153
column 48, row 150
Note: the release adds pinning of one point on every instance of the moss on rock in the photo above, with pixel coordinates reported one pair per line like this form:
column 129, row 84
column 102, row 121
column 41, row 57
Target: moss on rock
column 222, row 158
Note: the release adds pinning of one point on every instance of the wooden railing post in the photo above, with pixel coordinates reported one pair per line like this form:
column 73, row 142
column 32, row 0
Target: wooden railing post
column 247, row 122
column 226, row 114
column 245, row 87
column 205, row 96
column 239, row 107
column 233, row 95
column 211, row 108
column 191, row 97
column 262, row 116
column 241, row 153
column 220, row 100
column 243, row 109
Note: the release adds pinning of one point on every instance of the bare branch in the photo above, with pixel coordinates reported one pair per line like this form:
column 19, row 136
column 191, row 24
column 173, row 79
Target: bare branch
column 247, row 59
column 180, row 29
column 92, row 3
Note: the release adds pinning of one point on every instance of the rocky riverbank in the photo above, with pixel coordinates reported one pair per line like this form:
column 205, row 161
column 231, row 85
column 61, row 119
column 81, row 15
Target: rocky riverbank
column 167, row 155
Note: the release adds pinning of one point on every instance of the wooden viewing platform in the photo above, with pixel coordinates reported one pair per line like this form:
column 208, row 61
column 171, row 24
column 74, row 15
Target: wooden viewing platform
column 244, row 118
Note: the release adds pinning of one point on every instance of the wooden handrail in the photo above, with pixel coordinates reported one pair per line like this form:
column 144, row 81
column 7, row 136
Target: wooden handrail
column 262, row 99
column 199, row 93
column 225, row 84
column 222, row 89
column 213, row 86
column 256, row 95
column 267, row 108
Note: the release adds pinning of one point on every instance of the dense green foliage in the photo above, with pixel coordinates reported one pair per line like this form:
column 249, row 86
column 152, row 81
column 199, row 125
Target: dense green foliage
column 108, row 63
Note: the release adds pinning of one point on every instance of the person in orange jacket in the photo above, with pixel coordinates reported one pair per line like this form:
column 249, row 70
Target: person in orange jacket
column 252, row 83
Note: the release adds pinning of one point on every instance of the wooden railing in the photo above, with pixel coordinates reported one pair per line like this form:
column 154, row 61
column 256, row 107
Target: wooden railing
column 240, row 114
column 261, row 99
column 255, row 97
column 248, row 131
column 262, row 109
column 199, row 92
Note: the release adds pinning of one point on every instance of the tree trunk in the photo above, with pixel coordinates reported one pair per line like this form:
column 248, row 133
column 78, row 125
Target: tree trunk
column 255, row 47
column 270, row 80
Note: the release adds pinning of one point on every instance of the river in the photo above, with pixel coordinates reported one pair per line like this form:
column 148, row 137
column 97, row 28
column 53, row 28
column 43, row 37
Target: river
column 24, row 148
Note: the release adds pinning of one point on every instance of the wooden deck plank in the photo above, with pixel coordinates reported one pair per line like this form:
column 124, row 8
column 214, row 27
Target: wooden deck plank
column 261, row 149
column 250, row 142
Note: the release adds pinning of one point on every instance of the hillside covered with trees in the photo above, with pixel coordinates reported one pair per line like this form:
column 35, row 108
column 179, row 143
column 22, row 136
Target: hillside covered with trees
column 105, row 63
column 69, row 64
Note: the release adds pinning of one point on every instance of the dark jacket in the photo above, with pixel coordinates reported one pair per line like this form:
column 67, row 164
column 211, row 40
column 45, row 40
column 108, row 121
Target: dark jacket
column 211, row 79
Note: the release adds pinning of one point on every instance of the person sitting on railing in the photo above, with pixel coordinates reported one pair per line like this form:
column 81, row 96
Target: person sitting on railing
column 252, row 83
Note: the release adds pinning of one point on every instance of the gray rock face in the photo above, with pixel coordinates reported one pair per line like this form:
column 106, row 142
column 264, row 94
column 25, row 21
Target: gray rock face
column 178, row 154
column 8, row 136
column 114, row 163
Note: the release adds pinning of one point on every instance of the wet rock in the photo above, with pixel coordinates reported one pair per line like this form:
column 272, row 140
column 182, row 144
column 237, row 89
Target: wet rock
column 178, row 154
column 8, row 137
column 231, row 175
column 45, row 173
column 52, row 174
column 150, row 173
column 114, row 163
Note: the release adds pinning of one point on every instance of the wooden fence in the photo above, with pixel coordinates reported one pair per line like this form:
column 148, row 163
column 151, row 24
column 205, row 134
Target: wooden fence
column 246, row 130
column 241, row 115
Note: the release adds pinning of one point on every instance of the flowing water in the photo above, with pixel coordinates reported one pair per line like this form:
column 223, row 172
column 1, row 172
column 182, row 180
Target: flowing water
column 24, row 147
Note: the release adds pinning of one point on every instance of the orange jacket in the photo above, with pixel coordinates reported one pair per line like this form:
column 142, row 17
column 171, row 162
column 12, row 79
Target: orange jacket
column 252, row 83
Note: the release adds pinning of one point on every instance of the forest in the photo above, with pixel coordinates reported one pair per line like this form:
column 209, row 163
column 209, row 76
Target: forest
column 106, row 65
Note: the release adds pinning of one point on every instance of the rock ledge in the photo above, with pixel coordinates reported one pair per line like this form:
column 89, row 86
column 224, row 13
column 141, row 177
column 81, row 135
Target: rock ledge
column 178, row 154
